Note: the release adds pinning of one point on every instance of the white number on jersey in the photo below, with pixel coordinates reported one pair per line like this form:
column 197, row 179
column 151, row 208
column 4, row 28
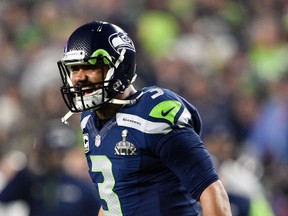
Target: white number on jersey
column 101, row 163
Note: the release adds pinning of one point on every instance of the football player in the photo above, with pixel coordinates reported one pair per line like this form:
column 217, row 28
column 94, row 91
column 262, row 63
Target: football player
column 44, row 185
column 143, row 147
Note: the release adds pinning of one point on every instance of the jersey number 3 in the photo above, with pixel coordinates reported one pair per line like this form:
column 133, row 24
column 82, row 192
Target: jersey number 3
column 102, row 164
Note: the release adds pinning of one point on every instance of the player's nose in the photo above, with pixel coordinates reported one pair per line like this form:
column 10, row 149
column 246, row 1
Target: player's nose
column 79, row 75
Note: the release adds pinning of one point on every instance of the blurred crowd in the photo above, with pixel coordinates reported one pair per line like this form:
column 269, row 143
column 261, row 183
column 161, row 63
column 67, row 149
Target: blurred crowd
column 227, row 57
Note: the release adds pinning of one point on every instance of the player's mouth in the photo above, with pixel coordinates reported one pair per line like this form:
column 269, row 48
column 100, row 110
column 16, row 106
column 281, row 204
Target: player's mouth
column 87, row 91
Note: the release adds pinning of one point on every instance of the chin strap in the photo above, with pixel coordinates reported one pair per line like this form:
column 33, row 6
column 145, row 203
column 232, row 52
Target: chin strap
column 66, row 117
column 113, row 101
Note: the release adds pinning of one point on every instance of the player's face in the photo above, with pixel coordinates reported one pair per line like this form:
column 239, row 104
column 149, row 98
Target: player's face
column 88, row 74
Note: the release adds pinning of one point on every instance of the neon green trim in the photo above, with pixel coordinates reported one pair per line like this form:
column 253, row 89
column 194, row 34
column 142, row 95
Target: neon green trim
column 166, row 110
column 100, row 52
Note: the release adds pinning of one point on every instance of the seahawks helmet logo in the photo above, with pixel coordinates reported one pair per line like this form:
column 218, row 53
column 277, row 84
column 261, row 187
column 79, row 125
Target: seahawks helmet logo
column 120, row 41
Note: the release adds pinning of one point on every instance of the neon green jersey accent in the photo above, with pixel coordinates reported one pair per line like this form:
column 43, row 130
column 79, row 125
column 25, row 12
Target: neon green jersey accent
column 100, row 52
column 166, row 110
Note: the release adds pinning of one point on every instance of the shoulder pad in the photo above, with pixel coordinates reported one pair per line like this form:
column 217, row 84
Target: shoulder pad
column 161, row 103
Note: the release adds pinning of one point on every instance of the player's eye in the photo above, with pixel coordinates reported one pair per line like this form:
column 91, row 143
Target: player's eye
column 75, row 68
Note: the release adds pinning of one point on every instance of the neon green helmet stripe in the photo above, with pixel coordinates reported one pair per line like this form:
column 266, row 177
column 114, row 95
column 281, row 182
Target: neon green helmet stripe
column 100, row 52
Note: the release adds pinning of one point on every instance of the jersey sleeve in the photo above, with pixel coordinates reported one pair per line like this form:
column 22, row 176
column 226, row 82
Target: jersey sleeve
column 179, row 146
column 183, row 152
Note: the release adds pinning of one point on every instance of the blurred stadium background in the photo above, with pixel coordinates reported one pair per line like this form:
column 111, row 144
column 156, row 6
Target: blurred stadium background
column 227, row 57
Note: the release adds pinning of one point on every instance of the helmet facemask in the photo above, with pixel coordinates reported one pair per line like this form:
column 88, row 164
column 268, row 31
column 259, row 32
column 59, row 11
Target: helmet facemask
column 88, row 45
column 84, row 95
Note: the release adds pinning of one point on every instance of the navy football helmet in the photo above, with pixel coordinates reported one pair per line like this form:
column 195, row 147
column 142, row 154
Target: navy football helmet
column 97, row 42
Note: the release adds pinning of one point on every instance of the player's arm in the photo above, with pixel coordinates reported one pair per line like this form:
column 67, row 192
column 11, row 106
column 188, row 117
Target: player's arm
column 101, row 212
column 185, row 154
column 214, row 200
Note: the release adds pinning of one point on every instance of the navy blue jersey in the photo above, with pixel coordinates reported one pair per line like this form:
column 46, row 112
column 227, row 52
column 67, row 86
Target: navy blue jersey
column 48, row 195
column 149, row 159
